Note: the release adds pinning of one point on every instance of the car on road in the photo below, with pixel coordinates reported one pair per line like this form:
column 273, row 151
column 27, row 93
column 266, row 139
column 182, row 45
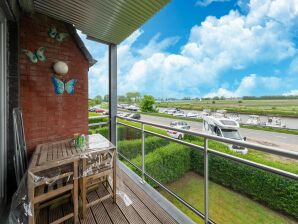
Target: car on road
column 133, row 108
column 135, row 116
column 179, row 125
column 100, row 110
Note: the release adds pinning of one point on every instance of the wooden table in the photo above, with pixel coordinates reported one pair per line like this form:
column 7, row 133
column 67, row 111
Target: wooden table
column 54, row 155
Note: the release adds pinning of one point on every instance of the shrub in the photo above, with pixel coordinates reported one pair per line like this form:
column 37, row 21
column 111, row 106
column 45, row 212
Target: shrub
column 122, row 132
column 166, row 164
column 133, row 148
column 275, row 191
column 103, row 131
column 98, row 120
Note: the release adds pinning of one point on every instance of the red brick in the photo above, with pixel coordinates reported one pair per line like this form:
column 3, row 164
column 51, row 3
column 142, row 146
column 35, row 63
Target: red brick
column 47, row 116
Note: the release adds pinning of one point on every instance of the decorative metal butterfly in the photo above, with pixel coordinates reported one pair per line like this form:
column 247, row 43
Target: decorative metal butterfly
column 54, row 34
column 36, row 55
column 61, row 86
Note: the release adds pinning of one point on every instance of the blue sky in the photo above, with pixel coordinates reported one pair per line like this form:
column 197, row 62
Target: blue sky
column 206, row 48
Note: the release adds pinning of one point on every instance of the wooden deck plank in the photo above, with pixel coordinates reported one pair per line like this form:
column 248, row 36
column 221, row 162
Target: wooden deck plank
column 129, row 212
column 143, row 211
column 162, row 215
column 55, row 214
column 114, row 212
column 89, row 218
column 98, row 210
column 43, row 216
column 67, row 209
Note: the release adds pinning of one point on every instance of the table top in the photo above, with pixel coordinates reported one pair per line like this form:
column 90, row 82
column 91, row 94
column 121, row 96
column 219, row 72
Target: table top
column 61, row 152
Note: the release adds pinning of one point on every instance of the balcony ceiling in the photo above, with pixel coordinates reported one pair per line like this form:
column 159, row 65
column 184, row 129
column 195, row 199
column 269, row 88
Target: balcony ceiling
column 109, row 21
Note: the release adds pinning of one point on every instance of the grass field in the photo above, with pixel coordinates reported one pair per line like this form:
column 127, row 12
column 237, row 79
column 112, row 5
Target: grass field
column 285, row 107
column 225, row 206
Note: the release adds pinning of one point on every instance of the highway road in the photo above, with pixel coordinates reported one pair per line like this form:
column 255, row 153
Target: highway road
column 279, row 140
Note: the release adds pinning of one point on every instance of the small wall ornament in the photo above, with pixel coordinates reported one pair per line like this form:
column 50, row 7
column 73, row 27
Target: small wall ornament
column 37, row 55
column 54, row 34
column 60, row 85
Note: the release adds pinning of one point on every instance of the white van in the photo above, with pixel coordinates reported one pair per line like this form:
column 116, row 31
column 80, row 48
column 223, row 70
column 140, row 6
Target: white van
column 224, row 127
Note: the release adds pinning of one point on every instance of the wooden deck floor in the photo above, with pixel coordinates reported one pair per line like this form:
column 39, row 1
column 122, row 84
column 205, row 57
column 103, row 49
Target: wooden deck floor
column 142, row 210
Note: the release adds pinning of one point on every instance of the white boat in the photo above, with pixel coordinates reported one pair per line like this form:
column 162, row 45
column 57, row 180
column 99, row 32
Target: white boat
column 179, row 114
column 275, row 122
column 226, row 128
column 193, row 115
column 235, row 117
column 253, row 120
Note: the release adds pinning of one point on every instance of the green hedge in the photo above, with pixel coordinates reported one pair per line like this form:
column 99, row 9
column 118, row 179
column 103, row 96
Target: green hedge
column 275, row 191
column 166, row 164
column 122, row 132
column 133, row 148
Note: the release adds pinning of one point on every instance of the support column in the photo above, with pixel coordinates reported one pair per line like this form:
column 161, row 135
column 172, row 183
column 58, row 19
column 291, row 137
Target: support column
column 112, row 92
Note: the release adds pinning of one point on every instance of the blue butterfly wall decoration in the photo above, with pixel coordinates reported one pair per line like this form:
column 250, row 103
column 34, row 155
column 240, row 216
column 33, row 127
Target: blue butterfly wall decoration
column 54, row 34
column 38, row 55
column 61, row 86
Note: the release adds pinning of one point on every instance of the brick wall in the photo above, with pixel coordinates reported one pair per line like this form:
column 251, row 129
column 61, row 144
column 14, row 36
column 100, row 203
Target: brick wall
column 48, row 116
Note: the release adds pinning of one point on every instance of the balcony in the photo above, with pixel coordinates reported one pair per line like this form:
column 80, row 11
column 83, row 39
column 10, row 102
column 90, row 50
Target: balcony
column 159, row 179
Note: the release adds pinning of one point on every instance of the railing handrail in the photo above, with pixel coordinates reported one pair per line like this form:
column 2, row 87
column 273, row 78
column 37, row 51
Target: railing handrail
column 100, row 116
column 272, row 150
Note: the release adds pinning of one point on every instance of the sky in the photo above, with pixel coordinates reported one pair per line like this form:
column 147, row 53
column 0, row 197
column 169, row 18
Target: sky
column 207, row 48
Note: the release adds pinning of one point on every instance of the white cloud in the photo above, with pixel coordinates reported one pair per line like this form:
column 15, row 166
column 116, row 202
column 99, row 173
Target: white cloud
column 157, row 45
column 205, row 3
column 248, row 85
column 293, row 68
column 291, row 93
column 231, row 42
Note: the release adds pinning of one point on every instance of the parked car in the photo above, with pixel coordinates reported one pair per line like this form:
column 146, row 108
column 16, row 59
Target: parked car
column 179, row 125
column 133, row 108
column 100, row 110
column 135, row 116
column 91, row 110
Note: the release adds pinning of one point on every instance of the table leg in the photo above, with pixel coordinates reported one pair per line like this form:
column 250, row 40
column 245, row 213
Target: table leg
column 114, row 177
column 84, row 190
column 30, row 184
column 75, row 193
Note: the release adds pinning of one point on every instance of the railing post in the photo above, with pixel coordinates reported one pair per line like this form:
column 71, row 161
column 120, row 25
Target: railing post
column 143, row 154
column 206, row 179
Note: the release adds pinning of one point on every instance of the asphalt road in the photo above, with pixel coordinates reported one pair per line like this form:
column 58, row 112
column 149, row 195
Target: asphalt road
column 279, row 140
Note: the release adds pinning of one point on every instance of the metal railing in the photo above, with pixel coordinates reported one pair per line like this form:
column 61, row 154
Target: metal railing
column 206, row 151
column 99, row 124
